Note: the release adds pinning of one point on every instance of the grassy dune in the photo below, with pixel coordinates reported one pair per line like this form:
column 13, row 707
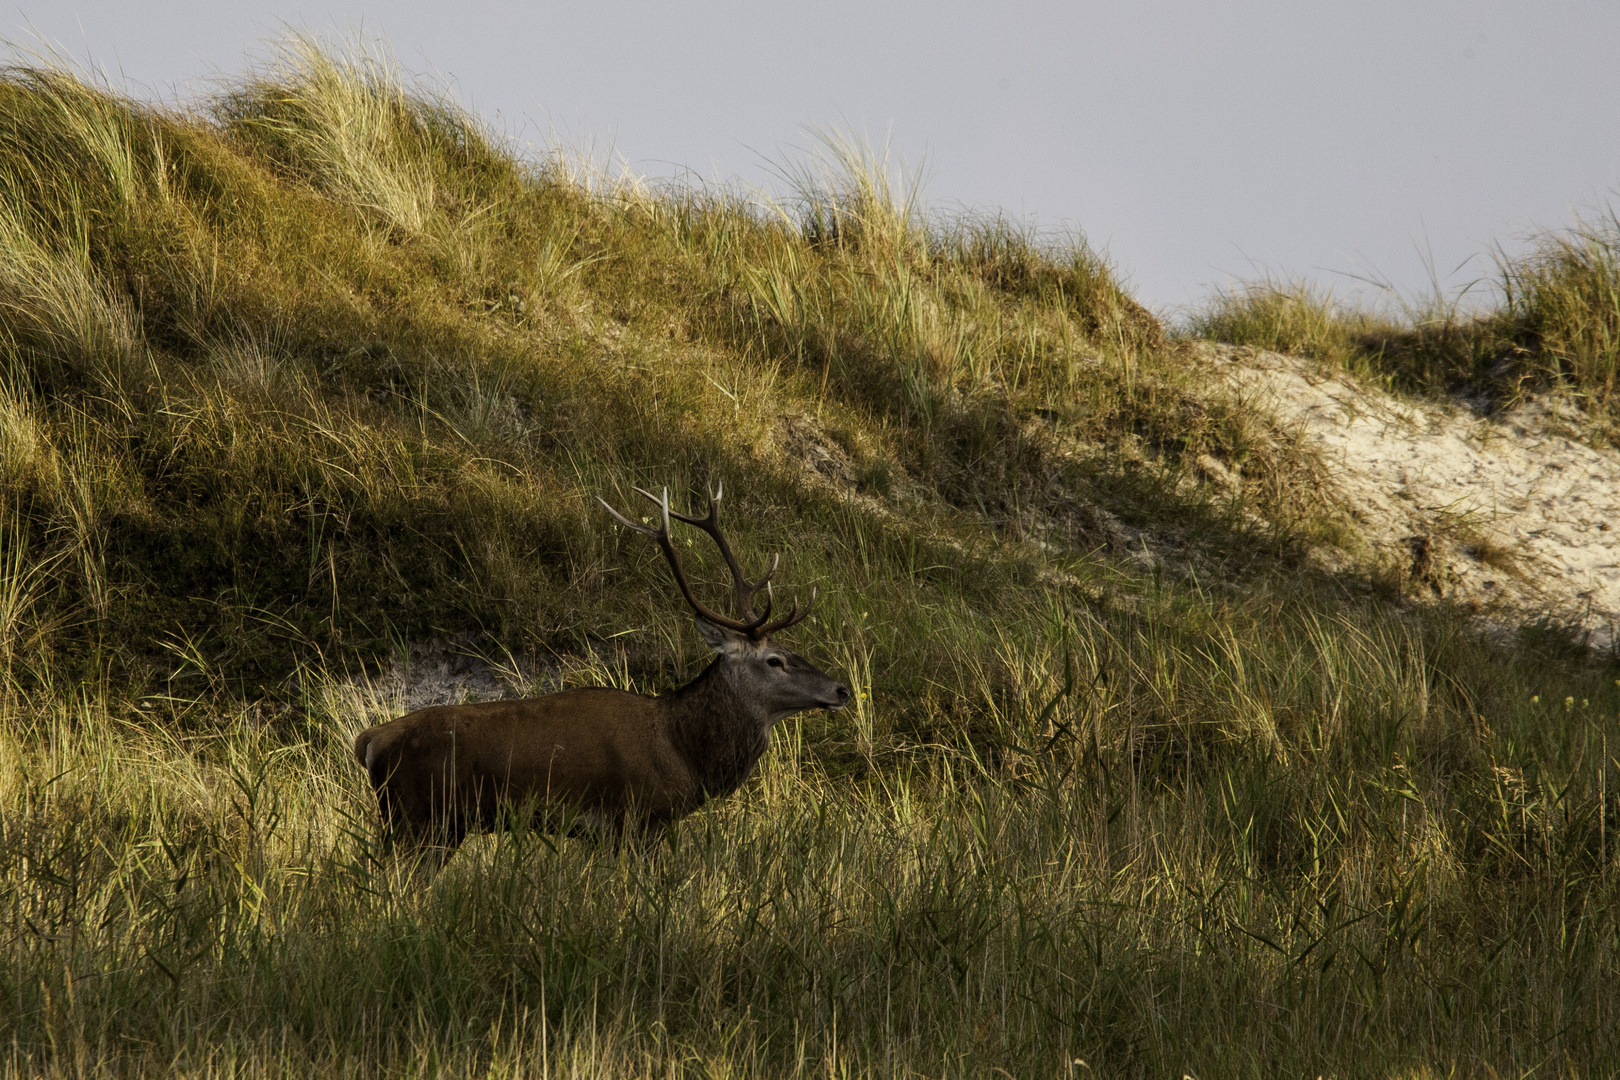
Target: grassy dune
column 321, row 368
column 1552, row 323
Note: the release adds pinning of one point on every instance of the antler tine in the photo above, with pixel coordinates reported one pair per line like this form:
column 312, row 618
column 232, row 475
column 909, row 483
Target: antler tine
column 776, row 561
column 626, row 522
column 794, row 615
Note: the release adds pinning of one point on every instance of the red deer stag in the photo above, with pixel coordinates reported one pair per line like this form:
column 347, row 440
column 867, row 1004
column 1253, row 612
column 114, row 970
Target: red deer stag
column 605, row 759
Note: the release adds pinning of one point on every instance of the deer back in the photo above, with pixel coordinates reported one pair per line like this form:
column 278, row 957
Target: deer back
column 599, row 750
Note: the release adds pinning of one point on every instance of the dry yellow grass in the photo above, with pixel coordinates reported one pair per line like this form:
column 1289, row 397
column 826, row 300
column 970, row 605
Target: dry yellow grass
column 320, row 370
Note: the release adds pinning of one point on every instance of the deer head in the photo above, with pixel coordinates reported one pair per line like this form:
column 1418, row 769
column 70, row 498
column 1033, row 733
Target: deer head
column 757, row 669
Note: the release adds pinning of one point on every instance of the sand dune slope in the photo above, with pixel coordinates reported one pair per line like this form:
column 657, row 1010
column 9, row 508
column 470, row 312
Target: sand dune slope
column 1510, row 513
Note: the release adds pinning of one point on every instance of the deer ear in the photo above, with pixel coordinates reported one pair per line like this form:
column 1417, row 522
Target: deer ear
column 721, row 640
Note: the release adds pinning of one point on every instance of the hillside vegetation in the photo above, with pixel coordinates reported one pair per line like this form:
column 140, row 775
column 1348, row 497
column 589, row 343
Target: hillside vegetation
column 321, row 370
column 1552, row 323
column 326, row 369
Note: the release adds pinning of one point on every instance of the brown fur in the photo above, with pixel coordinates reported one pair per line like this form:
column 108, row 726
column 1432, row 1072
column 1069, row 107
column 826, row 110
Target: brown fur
column 598, row 757
column 595, row 756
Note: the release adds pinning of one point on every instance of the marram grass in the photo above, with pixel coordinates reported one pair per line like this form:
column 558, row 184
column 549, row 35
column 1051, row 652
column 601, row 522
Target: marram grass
column 320, row 369
column 1552, row 323
column 321, row 366
column 1290, row 845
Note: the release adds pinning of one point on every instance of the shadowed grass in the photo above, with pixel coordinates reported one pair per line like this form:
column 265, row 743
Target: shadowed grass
column 321, row 370
column 1248, row 836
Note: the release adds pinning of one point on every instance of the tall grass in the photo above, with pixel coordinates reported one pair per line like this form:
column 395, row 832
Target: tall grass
column 58, row 306
column 1287, row 316
column 1564, row 300
column 848, row 195
column 321, row 364
column 349, row 123
column 320, row 370
column 1252, row 838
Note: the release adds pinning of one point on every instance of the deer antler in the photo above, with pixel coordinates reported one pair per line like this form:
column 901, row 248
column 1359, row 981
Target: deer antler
column 753, row 625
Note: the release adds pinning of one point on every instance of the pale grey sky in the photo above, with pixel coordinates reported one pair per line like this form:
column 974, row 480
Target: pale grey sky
column 1193, row 141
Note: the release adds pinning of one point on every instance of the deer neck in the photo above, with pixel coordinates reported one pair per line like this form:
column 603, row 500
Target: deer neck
column 721, row 736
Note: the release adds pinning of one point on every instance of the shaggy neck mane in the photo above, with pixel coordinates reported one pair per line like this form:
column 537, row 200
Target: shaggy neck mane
column 721, row 736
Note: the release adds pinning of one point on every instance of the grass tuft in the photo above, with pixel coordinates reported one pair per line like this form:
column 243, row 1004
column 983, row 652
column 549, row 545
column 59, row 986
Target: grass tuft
column 318, row 377
column 1564, row 303
column 1554, row 325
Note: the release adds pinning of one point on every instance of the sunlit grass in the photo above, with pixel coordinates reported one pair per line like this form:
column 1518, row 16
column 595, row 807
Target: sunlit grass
column 321, row 370
column 1552, row 323
column 1565, row 299
column 1241, row 837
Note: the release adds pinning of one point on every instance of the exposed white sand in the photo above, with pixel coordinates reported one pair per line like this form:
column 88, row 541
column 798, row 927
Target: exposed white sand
column 1511, row 513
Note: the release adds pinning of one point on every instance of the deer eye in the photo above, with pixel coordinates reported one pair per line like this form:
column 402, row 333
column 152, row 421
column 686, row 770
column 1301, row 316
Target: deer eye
column 776, row 662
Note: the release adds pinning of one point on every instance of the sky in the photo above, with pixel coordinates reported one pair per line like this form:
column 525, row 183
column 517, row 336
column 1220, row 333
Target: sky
column 1197, row 144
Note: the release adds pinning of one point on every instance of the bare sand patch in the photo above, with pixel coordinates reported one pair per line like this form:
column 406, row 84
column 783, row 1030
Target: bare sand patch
column 1511, row 514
